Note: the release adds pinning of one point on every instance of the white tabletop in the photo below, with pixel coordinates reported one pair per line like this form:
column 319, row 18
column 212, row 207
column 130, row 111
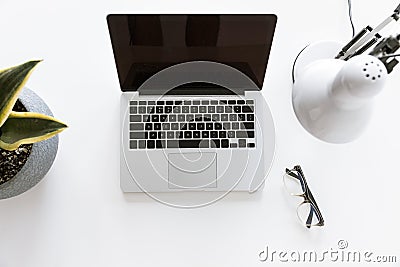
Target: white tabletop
column 78, row 216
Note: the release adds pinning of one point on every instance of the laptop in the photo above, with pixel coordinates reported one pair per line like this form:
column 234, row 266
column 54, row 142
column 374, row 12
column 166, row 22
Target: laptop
column 192, row 114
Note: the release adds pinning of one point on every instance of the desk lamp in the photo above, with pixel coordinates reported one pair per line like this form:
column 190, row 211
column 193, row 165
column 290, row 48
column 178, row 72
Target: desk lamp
column 334, row 86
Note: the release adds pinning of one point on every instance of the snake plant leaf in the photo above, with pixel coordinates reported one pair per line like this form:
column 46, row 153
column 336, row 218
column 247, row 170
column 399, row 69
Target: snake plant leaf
column 27, row 128
column 12, row 80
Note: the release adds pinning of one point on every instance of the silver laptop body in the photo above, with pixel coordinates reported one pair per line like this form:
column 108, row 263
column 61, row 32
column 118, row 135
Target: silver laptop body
column 192, row 114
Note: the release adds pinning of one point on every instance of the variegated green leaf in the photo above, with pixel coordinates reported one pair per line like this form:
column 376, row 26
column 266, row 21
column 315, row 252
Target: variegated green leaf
column 12, row 80
column 27, row 128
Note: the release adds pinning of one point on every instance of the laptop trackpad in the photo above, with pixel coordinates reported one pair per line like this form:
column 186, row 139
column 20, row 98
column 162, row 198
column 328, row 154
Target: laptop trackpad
column 192, row 170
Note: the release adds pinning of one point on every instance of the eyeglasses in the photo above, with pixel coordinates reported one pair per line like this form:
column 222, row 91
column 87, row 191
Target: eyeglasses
column 307, row 211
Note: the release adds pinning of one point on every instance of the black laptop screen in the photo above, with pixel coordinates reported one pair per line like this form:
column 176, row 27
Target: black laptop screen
column 146, row 44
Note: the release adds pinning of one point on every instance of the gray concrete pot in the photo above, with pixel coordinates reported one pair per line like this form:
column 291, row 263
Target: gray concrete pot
column 42, row 155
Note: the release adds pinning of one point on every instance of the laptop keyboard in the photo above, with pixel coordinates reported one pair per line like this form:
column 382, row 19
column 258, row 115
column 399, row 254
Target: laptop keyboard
column 191, row 124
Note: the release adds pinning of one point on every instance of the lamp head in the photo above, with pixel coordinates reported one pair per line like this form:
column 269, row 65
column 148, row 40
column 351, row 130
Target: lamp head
column 360, row 78
column 332, row 98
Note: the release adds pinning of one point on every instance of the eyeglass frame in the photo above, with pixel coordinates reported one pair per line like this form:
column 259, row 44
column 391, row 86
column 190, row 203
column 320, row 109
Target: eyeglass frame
column 308, row 197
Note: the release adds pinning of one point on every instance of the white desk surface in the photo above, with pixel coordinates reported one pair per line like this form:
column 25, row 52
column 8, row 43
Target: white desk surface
column 78, row 216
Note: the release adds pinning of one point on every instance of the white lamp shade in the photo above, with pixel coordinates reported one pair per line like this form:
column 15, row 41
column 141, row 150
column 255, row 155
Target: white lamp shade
column 333, row 99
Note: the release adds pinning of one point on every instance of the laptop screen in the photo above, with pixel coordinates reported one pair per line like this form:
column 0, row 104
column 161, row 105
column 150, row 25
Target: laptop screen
column 146, row 44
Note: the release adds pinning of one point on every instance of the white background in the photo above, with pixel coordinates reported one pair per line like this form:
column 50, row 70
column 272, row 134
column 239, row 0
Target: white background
column 78, row 216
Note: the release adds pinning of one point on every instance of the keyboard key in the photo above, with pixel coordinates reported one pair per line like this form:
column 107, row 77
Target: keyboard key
column 178, row 102
column 200, row 126
column 249, row 101
column 142, row 110
column 193, row 143
column 226, row 125
column 205, row 102
column 211, row 109
column 160, row 144
column 151, row 144
column 242, row 143
column 132, row 144
column 170, row 135
column 245, row 134
column 181, row 117
column 214, row 102
column 159, row 109
column 185, row 109
column 233, row 117
column 138, row 135
column 214, row 134
column 179, row 134
column 194, row 109
column 237, row 109
column 240, row 102
column 228, row 109
column 198, row 118
column 209, row 126
column 157, row 126
column 222, row 102
column 136, row 126
column 222, row 134
column 196, row 102
column 231, row 102
column 205, row 134
column 233, row 145
column 163, row 118
column 192, row 126
column 188, row 134
column 187, row 102
column 189, row 117
column 150, row 109
column 231, row 134
column 148, row 126
column 224, row 117
column 170, row 103
column 142, row 144
column 183, row 126
column 165, row 126
column 207, row 117
column 215, row 117
column 176, row 109
column 220, row 109
column 135, row 118
column 133, row 110
column 172, row 118
column 250, row 117
column 160, row 103
column 155, row 118
column 161, row 135
column 217, row 126
column 168, row 109
column 241, row 117
column 146, row 118
column 215, row 143
column 247, row 109
column 153, row 135
column 224, row 143
column 196, row 134
column 251, row 145
column 202, row 109
column 235, row 125
column 142, row 102
column 151, row 103
column 247, row 125
column 134, row 102
column 174, row 126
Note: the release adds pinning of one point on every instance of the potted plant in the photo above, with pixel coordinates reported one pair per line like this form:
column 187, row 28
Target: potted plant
column 28, row 141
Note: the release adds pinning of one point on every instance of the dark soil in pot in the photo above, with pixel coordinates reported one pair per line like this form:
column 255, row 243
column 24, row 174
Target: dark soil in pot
column 11, row 162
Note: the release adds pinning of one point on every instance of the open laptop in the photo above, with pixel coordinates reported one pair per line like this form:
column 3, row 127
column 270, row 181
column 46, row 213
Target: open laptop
column 192, row 114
